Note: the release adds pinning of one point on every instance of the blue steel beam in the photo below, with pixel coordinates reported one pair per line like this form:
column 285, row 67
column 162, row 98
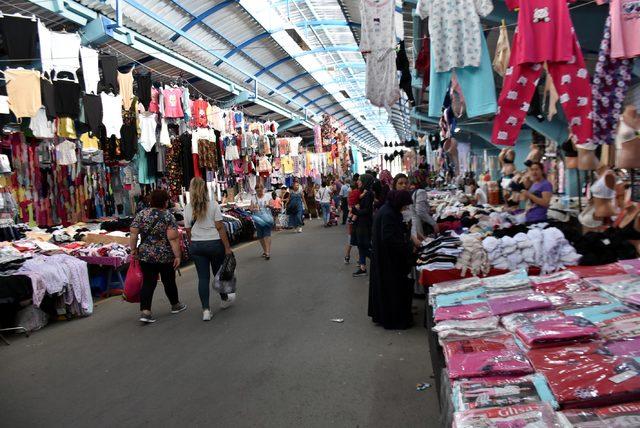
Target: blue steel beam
column 304, row 24
column 315, row 100
column 203, row 16
column 355, row 65
column 309, row 52
column 310, row 88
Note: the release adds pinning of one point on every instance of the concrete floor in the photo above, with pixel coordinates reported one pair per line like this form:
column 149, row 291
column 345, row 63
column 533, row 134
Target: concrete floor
column 273, row 360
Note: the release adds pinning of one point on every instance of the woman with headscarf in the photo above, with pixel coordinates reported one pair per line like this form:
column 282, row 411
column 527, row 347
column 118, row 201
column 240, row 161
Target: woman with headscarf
column 363, row 213
column 382, row 188
column 390, row 290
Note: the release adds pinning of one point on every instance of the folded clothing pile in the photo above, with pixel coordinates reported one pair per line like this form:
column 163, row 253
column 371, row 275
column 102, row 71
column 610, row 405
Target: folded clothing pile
column 102, row 250
column 469, row 394
column 625, row 287
column 585, row 375
column 495, row 355
column 473, row 258
column 554, row 332
column 522, row 416
column 439, row 253
column 547, row 249
column 619, row 415
column 511, row 283
column 460, row 329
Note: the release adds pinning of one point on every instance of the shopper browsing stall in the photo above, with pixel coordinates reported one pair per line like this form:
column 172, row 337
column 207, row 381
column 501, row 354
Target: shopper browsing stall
column 478, row 195
column 363, row 214
column 538, row 196
column 344, row 202
column 295, row 206
column 400, row 182
column 263, row 219
column 390, row 290
column 209, row 242
column 158, row 252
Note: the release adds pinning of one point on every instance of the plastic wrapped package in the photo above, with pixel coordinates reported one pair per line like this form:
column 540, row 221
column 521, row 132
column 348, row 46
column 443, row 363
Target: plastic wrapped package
column 536, row 415
column 512, row 321
column 596, row 271
column 461, row 297
column 520, row 303
column 586, row 298
column 625, row 347
column 460, row 329
column 622, row 327
column 471, row 311
column 482, row 393
column 559, row 282
column 624, row 287
column 511, row 280
column 454, row 286
column 555, row 331
column 485, row 356
column 587, row 375
column 625, row 415
column 600, row 313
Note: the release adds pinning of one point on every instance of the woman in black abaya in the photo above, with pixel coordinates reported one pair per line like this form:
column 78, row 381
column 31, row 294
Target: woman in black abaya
column 390, row 290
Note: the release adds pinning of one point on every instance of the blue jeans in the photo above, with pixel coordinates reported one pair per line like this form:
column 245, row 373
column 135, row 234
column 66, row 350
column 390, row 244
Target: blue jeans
column 326, row 208
column 207, row 256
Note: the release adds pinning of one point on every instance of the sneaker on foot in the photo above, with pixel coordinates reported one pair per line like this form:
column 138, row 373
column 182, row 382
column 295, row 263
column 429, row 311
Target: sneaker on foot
column 359, row 272
column 224, row 304
column 347, row 260
column 147, row 319
column 180, row 307
column 299, row 230
column 206, row 315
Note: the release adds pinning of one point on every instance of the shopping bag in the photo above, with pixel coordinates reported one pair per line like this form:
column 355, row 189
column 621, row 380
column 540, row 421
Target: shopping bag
column 228, row 267
column 224, row 286
column 133, row 282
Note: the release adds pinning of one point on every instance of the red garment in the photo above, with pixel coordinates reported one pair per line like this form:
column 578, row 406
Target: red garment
column 196, row 165
column 544, row 33
column 199, row 113
column 574, row 88
column 584, row 376
column 596, row 271
column 353, row 198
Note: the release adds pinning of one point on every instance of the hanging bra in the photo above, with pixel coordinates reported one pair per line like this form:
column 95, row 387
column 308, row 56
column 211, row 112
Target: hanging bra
column 625, row 133
column 600, row 190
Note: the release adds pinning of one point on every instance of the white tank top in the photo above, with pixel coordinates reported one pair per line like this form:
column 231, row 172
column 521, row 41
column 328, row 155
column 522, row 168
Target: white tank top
column 600, row 190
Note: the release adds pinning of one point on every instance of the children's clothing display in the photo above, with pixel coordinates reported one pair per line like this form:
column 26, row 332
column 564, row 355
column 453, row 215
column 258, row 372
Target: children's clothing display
column 545, row 34
column 378, row 42
column 625, row 27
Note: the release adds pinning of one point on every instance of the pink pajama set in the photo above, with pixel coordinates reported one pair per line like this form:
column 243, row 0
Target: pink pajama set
column 545, row 34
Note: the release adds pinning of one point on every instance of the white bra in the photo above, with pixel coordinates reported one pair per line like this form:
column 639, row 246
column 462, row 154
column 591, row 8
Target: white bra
column 625, row 133
column 600, row 190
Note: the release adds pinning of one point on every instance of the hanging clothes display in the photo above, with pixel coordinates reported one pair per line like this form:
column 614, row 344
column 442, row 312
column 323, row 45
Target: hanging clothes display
column 378, row 43
column 503, row 52
column 23, row 90
column 624, row 27
column 544, row 34
column 90, row 70
column 19, row 39
column 610, row 83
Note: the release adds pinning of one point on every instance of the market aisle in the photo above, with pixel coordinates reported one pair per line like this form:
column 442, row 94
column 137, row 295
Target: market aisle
column 275, row 359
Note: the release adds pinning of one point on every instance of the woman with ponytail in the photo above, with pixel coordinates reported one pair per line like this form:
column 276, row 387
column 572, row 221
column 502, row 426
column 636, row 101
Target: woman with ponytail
column 209, row 242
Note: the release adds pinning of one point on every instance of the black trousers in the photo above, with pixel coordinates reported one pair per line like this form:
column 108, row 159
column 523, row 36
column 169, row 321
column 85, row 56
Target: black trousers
column 344, row 205
column 150, row 272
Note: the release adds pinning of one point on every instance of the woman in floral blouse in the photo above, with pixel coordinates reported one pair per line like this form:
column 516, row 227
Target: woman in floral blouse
column 158, row 253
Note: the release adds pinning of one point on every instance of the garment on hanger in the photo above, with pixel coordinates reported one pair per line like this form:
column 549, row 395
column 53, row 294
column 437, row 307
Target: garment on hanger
column 66, row 153
column 125, row 83
column 109, row 67
column 90, row 72
column 454, row 28
column 625, row 28
column 172, row 100
column 19, row 39
column 89, row 144
column 129, row 132
column 148, row 124
column 93, row 112
column 67, row 94
column 23, row 90
column 65, row 50
column 143, row 89
column 154, row 106
column 40, row 126
column 402, row 64
column 600, row 190
column 544, row 36
column 609, row 86
column 48, row 97
column 111, row 114
column 503, row 51
column 378, row 42
column 477, row 86
column 199, row 113
column 164, row 139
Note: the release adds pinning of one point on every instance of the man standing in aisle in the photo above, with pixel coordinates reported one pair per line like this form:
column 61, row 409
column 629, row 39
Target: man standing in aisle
column 344, row 203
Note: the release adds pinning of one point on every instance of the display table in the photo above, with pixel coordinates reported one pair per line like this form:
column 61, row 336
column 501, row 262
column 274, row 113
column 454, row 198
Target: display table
column 113, row 265
column 428, row 278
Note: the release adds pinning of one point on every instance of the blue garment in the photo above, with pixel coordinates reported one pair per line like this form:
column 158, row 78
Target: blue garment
column 326, row 208
column 263, row 222
column 477, row 86
column 295, row 205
